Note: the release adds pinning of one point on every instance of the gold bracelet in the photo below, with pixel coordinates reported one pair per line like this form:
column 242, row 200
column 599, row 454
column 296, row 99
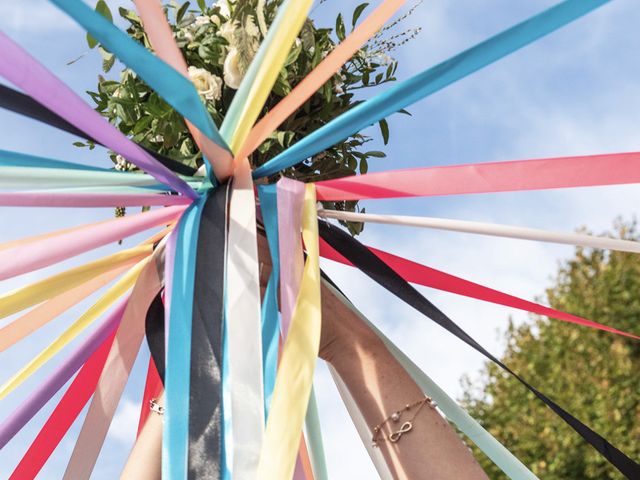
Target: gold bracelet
column 395, row 417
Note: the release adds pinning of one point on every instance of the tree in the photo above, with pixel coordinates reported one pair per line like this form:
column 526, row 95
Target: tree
column 593, row 374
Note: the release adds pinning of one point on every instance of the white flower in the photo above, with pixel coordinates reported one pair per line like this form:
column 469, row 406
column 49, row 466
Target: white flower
column 215, row 20
column 223, row 5
column 250, row 27
column 187, row 34
column 232, row 73
column 202, row 20
column 207, row 84
column 227, row 31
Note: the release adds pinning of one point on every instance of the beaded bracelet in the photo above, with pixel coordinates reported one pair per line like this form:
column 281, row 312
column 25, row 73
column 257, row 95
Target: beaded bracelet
column 396, row 416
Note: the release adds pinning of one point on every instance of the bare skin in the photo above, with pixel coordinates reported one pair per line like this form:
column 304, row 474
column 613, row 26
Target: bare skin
column 379, row 385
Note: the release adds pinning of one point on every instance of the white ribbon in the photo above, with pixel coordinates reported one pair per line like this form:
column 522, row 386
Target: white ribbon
column 496, row 230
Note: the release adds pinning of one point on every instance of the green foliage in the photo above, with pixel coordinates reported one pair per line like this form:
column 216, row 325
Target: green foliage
column 218, row 43
column 592, row 374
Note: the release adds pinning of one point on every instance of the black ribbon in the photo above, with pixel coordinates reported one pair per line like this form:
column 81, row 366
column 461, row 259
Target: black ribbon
column 154, row 329
column 25, row 105
column 363, row 258
column 205, row 405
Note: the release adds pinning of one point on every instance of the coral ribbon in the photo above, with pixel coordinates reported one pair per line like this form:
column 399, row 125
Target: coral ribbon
column 39, row 254
column 319, row 75
column 511, row 176
column 161, row 38
column 428, row 82
column 115, row 373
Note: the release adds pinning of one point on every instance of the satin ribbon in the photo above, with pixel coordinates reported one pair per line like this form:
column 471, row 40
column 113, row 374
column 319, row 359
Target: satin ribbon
column 178, row 363
column 24, row 105
column 39, row 316
column 430, row 277
column 173, row 87
column 242, row 325
column 290, row 199
column 290, row 202
column 116, row 370
column 17, row 66
column 502, row 457
column 65, row 413
column 27, row 409
column 295, row 373
column 321, row 74
column 263, row 71
column 383, row 274
column 428, row 82
column 24, row 297
column 36, row 255
column 15, row 159
column 161, row 38
column 270, row 320
column 87, row 200
column 510, row 176
column 491, row 229
column 77, row 327
column 16, row 178
column 205, row 399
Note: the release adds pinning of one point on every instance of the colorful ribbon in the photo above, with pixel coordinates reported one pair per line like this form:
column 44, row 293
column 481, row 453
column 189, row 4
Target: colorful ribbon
column 87, row 200
column 430, row 277
column 24, row 71
column 428, row 82
column 383, row 274
column 39, row 254
column 161, row 38
column 295, row 374
column 512, row 176
column 242, row 324
column 116, row 371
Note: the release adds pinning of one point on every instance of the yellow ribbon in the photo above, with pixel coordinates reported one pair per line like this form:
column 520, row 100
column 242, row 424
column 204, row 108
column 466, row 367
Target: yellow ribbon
column 37, row 292
column 103, row 303
column 278, row 48
column 295, row 373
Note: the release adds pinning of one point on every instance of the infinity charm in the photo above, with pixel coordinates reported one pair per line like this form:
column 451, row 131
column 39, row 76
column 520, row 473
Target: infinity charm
column 395, row 436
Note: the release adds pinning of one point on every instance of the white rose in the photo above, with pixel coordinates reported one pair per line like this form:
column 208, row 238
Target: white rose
column 223, row 5
column 202, row 20
column 232, row 73
column 227, row 31
column 207, row 84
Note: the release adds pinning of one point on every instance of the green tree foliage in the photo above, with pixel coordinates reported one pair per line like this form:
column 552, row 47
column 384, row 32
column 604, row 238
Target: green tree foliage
column 592, row 374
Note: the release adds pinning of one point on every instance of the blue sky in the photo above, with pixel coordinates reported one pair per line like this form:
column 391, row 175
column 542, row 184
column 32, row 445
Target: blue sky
column 572, row 93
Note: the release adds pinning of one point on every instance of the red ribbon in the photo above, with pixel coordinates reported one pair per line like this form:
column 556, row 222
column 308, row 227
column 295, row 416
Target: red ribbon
column 70, row 406
column 430, row 277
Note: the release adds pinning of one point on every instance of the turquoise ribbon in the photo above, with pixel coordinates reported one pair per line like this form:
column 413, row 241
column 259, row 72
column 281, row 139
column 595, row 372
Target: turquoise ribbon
column 176, row 420
column 15, row 159
column 428, row 82
column 270, row 319
column 176, row 90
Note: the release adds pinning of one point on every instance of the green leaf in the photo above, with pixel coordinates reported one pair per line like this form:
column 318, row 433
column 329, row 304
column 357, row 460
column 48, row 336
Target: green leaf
column 103, row 9
column 364, row 167
column 384, row 129
column 340, row 27
column 202, row 4
column 183, row 9
column 79, row 144
column 376, row 154
column 357, row 12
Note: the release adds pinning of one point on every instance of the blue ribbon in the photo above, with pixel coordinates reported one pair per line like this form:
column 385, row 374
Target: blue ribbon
column 428, row 82
column 15, row 159
column 176, row 90
column 176, row 428
column 270, row 319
